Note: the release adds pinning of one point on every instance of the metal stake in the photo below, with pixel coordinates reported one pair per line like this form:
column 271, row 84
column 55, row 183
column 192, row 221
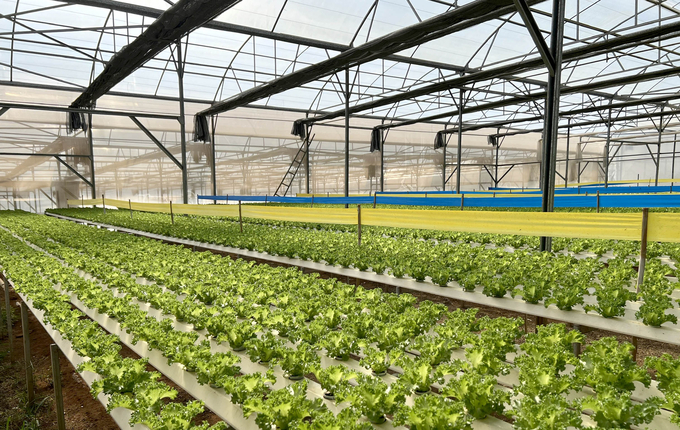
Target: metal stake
column 8, row 312
column 312, row 200
column 172, row 215
column 643, row 248
column 462, row 201
column 359, row 224
column 130, row 205
column 103, row 204
column 375, row 196
column 58, row 396
column 240, row 219
column 576, row 347
column 27, row 353
column 598, row 201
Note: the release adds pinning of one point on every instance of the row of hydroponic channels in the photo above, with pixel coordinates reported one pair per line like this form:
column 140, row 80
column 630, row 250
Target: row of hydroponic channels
column 574, row 277
column 373, row 354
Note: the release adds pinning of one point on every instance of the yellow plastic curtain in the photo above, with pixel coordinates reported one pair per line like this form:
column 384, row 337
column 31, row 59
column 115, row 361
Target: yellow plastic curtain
column 662, row 227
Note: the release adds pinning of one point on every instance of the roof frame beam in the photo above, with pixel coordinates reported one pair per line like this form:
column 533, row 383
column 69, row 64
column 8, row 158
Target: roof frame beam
column 178, row 20
column 463, row 17
column 574, row 90
column 4, row 107
column 656, row 33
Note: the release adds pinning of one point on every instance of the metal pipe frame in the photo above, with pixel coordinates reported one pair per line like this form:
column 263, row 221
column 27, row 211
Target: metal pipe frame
column 459, row 148
column 178, row 20
column 552, row 117
column 179, row 63
column 455, row 20
column 347, row 96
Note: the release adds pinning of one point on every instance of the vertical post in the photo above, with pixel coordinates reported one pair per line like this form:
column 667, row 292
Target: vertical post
column 675, row 141
column 606, row 147
column 635, row 348
column 552, row 115
column 382, row 163
column 658, row 152
column 598, row 201
column 27, row 353
column 643, row 248
column 359, row 224
column 8, row 314
column 130, row 206
column 91, row 143
column 103, row 204
column 495, row 179
column 347, row 96
column 58, row 396
column 576, row 347
column 182, row 123
column 265, row 200
column 307, row 158
column 213, row 169
column 375, row 198
column 444, row 164
column 566, row 171
column 172, row 214
column 312, row 200
column 460, row 140
column 462, row 201
column 240, row 218
column 82, row 201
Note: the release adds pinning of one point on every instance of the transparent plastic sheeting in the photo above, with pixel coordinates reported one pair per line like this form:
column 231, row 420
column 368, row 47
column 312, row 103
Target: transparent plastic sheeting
column 661, row 227
column 476, row 200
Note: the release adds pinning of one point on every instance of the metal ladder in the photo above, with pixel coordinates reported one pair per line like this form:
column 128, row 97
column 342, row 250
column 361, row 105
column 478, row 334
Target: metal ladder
column 288, row 178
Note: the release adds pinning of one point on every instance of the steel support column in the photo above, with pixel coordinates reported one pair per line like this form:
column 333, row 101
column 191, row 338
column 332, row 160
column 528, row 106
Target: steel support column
column 213, row 170
column 347, row 95
column 675, row 141
column 307, row 143
column 460, row 139
column 93, row 186
column 495, row 175
column 552, row 112
column 382, row 162
column 606, row 147
column 444, row 165
column 658, row 152
column 566, row 170
column 182, row 123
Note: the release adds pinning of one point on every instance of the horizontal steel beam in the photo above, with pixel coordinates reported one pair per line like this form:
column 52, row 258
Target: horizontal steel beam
column 41, row 154
column 85, row 111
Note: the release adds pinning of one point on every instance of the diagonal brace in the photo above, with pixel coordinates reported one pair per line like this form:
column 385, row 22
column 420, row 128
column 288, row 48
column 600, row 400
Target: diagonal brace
column 156, row 141
column 535, row 32
column 74, row 171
